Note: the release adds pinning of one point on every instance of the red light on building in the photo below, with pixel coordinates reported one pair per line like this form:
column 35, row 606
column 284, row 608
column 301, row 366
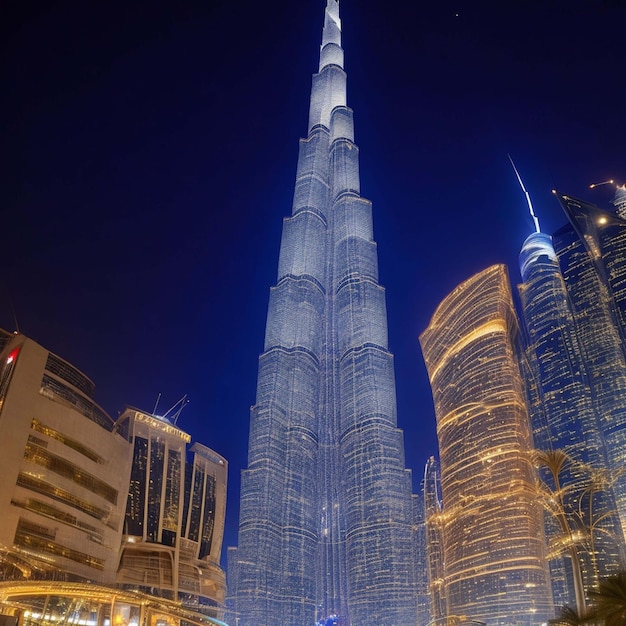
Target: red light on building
column 13, row 356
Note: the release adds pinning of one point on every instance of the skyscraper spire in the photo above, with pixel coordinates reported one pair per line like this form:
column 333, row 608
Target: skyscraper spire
column 537, row 244
column 329, row 84
column 326, row 523
column 331, row 51
column 530, row 204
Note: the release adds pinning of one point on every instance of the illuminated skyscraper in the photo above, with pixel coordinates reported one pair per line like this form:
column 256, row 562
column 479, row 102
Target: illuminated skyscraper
column 564, row 418
column 592, row 255
column 420, row 561
column 619, row 202
column 326, row 510
column 494, row 553
column 434, row 540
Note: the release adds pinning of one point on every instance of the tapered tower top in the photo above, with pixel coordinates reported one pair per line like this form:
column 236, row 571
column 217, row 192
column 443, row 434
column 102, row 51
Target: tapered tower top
column 329, row 84
column 331, row 52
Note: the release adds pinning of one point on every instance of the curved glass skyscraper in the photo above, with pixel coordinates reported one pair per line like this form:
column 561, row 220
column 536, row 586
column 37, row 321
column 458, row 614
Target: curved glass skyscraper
column 492, row 525
column 325, row 531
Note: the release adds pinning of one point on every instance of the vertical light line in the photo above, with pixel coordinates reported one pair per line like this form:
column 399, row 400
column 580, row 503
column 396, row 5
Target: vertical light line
column 530, row 204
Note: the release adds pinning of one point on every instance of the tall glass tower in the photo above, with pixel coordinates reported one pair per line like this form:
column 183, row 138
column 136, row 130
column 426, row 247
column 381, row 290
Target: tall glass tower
column 564, row 418
column 591, row 251
column 325, row 530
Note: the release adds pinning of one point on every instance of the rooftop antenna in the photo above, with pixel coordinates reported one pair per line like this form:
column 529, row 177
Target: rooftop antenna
column 530, row 204
column 178, row 408
column 604, row 182
column 619, row 201
column 156, row 404
column 17, row 326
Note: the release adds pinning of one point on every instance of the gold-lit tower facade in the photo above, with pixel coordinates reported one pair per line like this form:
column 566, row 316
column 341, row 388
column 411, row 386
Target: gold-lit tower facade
column 493, row 543
column 433, row 516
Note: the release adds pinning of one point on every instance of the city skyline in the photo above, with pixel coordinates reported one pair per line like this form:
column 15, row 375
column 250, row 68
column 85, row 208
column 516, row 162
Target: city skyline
column 87, row 287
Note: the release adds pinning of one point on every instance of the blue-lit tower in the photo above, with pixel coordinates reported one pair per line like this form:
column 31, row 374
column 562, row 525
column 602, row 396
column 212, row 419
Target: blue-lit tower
column 326, row 524
column 591, row 250
column 582, row 525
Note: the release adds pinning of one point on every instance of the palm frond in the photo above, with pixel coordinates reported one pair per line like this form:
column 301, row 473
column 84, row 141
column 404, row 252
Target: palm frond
column 610, row 600
column 569, row 617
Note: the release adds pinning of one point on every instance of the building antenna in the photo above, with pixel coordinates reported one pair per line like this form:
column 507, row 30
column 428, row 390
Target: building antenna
column 156, row 404
column 17, row 326
column 180, row 405
column 530, row 204
column 180, row 410
column 604, row 182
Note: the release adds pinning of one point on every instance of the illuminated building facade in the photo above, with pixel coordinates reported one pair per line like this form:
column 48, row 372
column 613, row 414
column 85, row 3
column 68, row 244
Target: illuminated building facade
column 63, row 471
column 44, row 603
column 619, row 201
column 434, row 540
column 86, row 499
column 591, row 251
column 420, row 560
column 175, row 512
column 493, row 541
column 326, row 522
column 564, row 418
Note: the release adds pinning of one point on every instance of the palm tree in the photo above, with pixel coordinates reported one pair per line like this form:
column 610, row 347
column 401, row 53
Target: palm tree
column 554, row 461
column 610, row 600
column 569, row 617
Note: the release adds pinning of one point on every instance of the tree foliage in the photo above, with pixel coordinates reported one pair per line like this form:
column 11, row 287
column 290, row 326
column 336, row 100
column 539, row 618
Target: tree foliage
column 610, row 600
column 569, row 617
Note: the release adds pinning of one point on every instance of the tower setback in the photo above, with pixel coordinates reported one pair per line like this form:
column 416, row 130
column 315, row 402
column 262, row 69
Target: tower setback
column 325, row 530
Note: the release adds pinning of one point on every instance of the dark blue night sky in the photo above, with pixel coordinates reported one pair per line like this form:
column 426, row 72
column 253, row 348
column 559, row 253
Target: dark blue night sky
column 149, row 151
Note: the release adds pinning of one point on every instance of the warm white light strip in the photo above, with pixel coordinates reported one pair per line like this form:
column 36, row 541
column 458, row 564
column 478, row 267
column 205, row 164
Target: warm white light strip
column 530, row 204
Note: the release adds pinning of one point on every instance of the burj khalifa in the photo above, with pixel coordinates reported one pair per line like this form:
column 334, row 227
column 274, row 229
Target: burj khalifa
column 326, row 532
